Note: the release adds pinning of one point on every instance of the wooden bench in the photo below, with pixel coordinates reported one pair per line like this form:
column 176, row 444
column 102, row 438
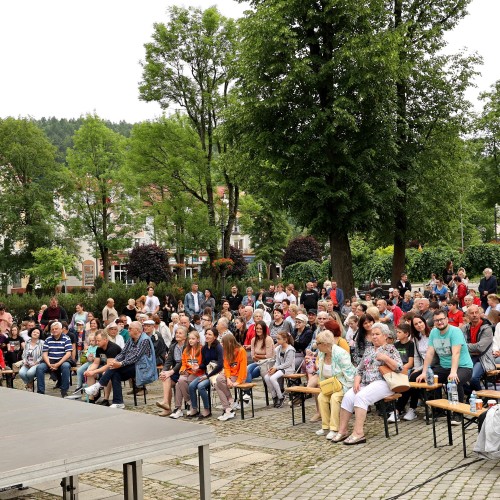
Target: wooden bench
column 238, row 396
column 488, row 394
column 466, row 417
column 302, row 392
column 424, row 388
column 390, row 400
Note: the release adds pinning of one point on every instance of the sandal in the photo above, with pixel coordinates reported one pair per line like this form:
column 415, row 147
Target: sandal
column 339, row 437
column 351, row 440
column 162, row 406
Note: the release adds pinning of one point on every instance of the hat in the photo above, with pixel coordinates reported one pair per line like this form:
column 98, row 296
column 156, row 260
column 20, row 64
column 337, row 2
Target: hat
column 312, row 311
column 113, row 325
column 149, row 322
column 391, row 290
column 80, row 322
column 302, row 317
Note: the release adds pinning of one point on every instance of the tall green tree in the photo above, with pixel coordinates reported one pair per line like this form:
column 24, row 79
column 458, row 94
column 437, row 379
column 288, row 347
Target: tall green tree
column 316, row 114
column 96, row 207
column 188, row 64
column 268, row 229
column 430, row 103
column 29, row 176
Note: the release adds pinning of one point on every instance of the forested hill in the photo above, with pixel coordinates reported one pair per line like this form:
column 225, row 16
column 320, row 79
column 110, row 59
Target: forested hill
column 60, row 132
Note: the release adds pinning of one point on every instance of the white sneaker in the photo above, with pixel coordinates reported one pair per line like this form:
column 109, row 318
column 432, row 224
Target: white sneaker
column 411, row 414
column 246, row 398
column 391, row 418
column 226, row 416
column 331, row 435
column 321, row 432
column 236, row 406
column 177, row 414
column 119, row 406
column 93, row 390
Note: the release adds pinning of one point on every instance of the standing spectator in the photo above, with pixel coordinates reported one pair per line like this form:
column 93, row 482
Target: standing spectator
column 268, row 297
column 129, row 310
column 152, row 301
column 79, row 315
column 403, row 285
column 279, row 296
column 309, row 297
column 169, row 308
column 337, row 296
column 291, row 297
column 193, row 301
column 234, row 299
column 54, row 312
column 57, row 351
column 208, row 301
column 487, row 285
column 109, row 313
column 40, row 313
column 249, row 298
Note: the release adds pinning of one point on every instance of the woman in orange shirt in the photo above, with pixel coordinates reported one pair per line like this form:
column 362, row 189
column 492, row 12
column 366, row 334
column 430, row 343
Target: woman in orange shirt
column 190, row 369
column 235, row 372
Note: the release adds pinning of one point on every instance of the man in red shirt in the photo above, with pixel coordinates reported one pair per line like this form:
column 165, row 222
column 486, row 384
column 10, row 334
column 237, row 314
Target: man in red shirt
column 455, row 315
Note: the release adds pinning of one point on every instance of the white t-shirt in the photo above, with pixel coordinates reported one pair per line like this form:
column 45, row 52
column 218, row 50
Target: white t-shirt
column 292, row 298
column 152, row 303
column 279, row 297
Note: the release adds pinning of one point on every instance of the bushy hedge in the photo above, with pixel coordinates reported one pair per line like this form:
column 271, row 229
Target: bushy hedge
column 421, row 263
column 302, row 272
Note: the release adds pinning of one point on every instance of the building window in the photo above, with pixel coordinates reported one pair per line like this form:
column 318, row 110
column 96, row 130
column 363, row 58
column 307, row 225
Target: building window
column 119, row 273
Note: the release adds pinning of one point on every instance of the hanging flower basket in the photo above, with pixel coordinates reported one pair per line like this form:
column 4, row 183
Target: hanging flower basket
column 223, row 265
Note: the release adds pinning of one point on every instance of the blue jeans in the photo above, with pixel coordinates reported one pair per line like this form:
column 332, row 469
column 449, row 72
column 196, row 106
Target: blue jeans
column 42, row 369
column 27, row 374
column 253, row 371
column 477, row 373
column 202, row 389
column 79, row 373
column 117, row 376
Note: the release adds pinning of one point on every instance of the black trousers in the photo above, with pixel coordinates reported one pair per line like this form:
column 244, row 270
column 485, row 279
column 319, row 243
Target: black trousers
column 464, row 376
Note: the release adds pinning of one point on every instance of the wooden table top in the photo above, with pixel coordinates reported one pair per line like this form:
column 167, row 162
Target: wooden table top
column 301, row 388
column 463, row 408
column 488, row 394
column 423, row 385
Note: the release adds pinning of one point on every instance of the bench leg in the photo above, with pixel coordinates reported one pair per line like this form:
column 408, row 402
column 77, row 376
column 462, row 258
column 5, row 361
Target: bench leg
column 251, row 399
column 448, row 421
column 134, row 391
column 293, row 411
column 70, row 488
column 424, row 399
column 395, row 417
column 303, row 403
column 463, row 434
column 386, row 424
column 132, row 480
column 266, row 392
column 434, row 427
column 242, row 404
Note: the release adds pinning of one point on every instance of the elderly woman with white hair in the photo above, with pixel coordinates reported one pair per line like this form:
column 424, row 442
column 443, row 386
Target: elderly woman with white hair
column 332, row 361
column 369, row 385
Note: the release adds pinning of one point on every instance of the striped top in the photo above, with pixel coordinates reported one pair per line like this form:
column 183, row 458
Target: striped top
column 57, row 348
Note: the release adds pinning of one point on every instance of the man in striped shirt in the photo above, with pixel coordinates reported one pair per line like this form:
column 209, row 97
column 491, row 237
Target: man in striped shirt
column 56, row 353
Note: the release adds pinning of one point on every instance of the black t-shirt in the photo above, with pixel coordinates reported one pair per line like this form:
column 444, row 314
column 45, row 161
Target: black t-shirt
column 234, row 301
column 309, row 299
column 131, row 313
column 268, row 299
column 406, row 351
column 110, row 352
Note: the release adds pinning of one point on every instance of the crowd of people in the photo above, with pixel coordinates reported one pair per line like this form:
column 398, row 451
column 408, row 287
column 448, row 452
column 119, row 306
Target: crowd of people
column 339, row 343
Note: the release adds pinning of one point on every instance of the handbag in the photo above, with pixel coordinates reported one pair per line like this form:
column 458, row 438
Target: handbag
column 329, row 386
column 266, row 365
column 397, row 382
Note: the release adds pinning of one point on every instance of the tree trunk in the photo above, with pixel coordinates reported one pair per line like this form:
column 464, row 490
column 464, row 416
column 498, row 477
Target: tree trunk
column 341, row 258
column 273, row 272
column 105, row 264
column 400, row 229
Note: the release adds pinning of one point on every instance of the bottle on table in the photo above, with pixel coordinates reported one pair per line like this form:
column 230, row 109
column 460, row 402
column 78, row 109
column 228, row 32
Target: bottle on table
column 472, row 401
column 429, row 376
column 454, row 393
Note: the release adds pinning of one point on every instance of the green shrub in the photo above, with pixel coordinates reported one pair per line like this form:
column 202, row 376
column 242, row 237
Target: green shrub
column 301, row 272
column 477, row 257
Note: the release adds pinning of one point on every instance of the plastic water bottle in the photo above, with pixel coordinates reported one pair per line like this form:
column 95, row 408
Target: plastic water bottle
column 429, row 376
column 448, row 391
column 454, row 393
column 473, row 399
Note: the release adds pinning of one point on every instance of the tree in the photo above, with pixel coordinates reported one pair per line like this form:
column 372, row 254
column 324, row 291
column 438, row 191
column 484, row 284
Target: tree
column 316, row 115
column 170, row 148
column 96, row 206
column 301, row 249
column 51, row 265
column 148, row 263
column 488, row 126
column 188, row 64
column 239, row 263
column 29, row 176
column 429, row 102
column 268, row 230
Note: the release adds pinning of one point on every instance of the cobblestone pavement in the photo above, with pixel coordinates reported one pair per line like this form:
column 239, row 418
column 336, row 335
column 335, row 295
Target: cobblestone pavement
column 266, row 458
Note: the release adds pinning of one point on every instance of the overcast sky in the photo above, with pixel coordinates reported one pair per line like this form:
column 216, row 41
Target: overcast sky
column 65, row 58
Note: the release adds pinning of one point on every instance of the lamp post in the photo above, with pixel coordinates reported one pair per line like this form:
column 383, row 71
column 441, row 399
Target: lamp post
column 223, row 273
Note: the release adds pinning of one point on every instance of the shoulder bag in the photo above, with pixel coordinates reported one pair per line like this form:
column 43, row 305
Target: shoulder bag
column 329, row 386
column 397, row 382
